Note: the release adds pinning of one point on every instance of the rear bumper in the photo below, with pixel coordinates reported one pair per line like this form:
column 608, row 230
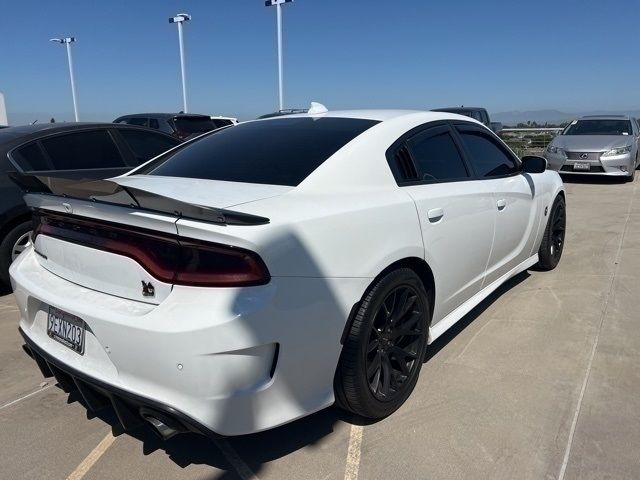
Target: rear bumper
column 97, row 394
column 230, row 360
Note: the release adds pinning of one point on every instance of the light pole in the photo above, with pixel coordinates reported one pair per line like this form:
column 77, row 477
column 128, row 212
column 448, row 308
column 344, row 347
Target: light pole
column 68, row 41
column 278, row 5
column 180, row 19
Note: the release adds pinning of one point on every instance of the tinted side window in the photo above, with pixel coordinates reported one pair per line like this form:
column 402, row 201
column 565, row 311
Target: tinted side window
column 153, row 123
column 487, row 157
column 436, row 156
column 31, row 158
column 282, row 151
column 146, row 145
column 83, row 150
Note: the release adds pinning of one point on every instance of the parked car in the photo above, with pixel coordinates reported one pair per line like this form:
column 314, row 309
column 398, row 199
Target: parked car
column 597, row 145
column 180, row 125
column 261, row 272
column 76, row 150
column 477, row 113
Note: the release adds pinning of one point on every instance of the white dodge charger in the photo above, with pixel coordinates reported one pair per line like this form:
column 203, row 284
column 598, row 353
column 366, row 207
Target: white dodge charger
column 265, row 271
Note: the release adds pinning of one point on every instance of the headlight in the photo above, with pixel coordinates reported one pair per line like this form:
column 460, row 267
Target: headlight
column 554, row 149
column 617, row 151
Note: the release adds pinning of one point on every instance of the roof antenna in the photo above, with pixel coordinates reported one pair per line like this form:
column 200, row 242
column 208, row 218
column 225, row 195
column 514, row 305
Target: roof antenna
column 317, row 109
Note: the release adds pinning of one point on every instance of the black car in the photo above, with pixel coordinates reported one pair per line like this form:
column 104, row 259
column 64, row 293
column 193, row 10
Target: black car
column 75, row 150
column 180, row 125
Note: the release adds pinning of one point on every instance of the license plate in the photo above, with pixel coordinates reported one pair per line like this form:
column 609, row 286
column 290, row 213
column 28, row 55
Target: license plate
column 581, row 166
column 66, row 329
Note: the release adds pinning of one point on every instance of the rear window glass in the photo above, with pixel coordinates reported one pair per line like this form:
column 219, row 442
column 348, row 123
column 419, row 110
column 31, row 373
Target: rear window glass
column 191, row 125
column 140, row 121
column 599, row 127
column 31, row 158
column 282, row 151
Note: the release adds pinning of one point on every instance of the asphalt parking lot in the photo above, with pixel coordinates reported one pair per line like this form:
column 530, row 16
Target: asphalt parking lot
column 541, row 381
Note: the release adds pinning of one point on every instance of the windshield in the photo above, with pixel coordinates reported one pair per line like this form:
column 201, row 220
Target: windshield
column 599, row 127
column 282, row 151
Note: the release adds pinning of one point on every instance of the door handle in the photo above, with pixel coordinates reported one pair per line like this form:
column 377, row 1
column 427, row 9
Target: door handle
column 501, row 204
column 435, row 215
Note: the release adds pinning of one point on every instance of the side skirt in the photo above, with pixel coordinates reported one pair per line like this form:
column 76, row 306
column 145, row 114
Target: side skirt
column 447, row 322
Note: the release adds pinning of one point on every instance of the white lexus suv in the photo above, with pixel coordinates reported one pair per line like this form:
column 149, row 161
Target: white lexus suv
column 265, row 271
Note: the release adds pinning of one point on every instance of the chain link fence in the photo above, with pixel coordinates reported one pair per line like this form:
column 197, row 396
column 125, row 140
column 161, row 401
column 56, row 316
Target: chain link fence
column 529, row 141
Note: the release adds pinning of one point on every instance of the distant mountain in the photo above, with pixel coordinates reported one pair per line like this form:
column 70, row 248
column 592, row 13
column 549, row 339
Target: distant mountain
column 552, row 116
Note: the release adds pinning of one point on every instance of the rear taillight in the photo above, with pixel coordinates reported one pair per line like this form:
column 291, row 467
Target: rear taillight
column 168, row 258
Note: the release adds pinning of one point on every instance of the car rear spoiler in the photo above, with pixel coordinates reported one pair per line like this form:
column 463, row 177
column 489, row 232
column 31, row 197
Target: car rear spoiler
column 110, row 192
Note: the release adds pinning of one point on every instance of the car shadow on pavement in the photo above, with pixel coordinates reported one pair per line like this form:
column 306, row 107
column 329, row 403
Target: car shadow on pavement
column 254, row 450
column 464, row 322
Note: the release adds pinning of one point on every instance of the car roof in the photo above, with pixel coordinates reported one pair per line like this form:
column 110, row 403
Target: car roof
column 457, row 109
column 605, row 117
column 164, row 116
column 381, row 115
column 23, row 133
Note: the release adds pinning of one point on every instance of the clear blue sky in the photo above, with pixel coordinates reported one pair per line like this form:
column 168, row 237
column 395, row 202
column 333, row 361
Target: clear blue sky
column 506, row 55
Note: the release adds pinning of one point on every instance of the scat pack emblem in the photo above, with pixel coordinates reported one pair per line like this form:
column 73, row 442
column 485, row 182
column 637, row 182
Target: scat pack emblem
column 148, row 290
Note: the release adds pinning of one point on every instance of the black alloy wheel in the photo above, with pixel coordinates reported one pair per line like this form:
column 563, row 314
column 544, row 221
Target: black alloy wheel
column 384, row 346
column 553, row 241
column 394, row 342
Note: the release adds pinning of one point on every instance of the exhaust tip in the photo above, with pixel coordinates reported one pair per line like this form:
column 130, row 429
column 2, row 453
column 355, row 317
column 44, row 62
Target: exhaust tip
column 161, row 425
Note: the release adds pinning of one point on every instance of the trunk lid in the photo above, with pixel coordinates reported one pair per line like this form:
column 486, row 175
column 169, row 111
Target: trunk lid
column 76, row 236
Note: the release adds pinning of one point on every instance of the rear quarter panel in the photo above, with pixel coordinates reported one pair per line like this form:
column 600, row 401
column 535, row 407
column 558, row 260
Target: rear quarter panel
column 347, row 234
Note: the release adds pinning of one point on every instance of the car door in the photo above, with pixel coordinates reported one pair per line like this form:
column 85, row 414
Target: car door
column 457, row 215
column 514, row 198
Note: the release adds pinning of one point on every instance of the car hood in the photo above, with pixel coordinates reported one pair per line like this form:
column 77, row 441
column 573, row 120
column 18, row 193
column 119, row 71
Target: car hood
column 591, row 143
column 209, row 193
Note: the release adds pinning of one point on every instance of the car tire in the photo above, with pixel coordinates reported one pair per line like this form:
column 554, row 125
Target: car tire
column 631, row 177
column 14, row 242
column 554, row 234
column 384, row 347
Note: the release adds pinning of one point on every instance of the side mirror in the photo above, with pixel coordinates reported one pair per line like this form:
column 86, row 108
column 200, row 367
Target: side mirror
column 533, row 164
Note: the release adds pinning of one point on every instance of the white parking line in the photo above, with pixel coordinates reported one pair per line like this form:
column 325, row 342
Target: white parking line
column 90, row 460
column 241, row 468
column 576, row 415
column 353, row 454
column 13, row 402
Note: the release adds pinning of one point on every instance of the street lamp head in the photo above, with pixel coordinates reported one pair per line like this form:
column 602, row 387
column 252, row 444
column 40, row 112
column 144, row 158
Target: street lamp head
column 63, row 40
column 271, row 3
column 179, row 18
